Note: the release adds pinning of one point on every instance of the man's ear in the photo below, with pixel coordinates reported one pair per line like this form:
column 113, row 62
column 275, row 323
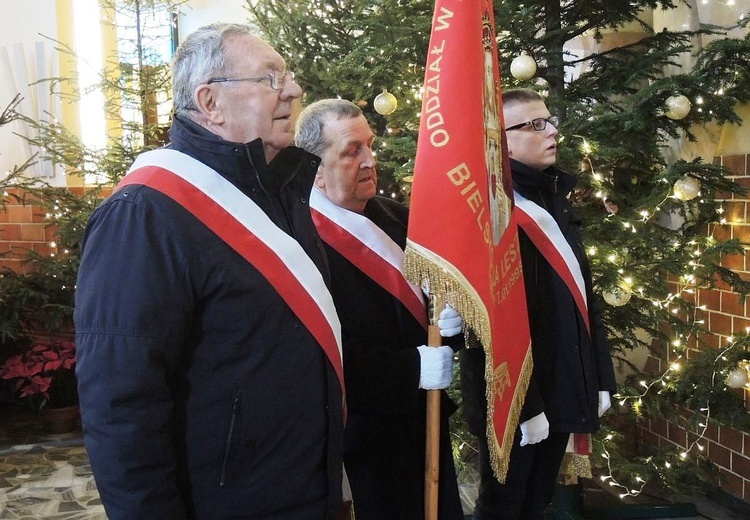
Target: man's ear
column 319, row 182
column 205, row 102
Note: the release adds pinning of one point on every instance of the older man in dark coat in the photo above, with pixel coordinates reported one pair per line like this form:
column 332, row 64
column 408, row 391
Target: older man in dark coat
column 387, row 366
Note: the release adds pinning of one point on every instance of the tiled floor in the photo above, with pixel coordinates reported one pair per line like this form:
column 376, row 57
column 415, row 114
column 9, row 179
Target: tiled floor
column 44, row 476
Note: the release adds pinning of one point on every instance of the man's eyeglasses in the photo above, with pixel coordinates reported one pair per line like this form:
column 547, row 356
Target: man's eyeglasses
column 276, row 79
column 537, row 124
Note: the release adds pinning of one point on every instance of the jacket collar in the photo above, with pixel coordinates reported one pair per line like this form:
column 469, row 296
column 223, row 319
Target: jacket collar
column 238, row 161
column 550, row 180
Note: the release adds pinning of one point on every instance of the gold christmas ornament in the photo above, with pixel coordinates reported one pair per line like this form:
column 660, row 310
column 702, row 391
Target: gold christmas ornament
column 523, row 67
column 736, row 378
column 617, row 296
column 677, row 106
column 686, row 188
column 385, row 103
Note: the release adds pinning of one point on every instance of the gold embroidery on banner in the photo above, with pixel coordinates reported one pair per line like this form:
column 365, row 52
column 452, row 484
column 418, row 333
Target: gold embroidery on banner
column 500, row 380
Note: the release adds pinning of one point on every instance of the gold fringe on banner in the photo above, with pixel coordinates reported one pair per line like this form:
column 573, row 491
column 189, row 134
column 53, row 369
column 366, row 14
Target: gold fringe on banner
column 500, row 451
column 425, row 268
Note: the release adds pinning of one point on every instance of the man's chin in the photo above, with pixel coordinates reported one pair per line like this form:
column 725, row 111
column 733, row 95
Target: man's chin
column 278, row 144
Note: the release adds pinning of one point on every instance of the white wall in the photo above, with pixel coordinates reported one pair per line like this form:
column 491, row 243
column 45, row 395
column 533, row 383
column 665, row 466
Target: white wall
column 26, row 22
column 21, row 21
column 22, row 26
column 201, row 12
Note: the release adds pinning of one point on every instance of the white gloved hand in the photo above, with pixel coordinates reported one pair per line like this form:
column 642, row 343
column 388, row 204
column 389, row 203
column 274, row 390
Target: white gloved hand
column 534, row 430
column 605, row 402
column 449, row 322
column 436, row 367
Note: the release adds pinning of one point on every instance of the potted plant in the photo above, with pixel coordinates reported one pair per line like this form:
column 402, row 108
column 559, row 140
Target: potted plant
column 44, row 376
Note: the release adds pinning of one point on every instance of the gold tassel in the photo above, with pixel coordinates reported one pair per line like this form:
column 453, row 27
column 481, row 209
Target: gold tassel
column 573, row 467
column 500, row 453
column 422, row 265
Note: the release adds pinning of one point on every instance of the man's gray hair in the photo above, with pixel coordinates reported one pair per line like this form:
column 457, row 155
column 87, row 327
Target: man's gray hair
column 200, row 57
column 308, row 134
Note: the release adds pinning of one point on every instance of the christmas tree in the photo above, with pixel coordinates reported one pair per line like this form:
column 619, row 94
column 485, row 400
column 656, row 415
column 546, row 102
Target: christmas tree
column 628, row 96
column 136, row 88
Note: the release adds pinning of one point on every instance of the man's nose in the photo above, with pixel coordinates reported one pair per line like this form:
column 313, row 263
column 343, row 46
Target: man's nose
column 291, row 90
column 368, row 159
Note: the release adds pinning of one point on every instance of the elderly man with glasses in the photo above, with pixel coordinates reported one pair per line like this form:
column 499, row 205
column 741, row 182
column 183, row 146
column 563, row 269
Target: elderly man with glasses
column 209, row 348
column 573, row 375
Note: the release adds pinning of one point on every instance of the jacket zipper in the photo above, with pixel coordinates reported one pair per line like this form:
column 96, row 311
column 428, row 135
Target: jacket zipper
column 228, row 445
column 263, row 189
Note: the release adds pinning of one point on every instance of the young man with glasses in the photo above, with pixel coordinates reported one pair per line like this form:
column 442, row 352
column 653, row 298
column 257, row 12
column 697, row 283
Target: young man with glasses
column 573, row 375
column 209, row 349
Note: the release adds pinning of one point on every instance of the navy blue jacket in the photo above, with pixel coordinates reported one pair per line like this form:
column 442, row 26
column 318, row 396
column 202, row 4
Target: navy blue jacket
column 202, row 394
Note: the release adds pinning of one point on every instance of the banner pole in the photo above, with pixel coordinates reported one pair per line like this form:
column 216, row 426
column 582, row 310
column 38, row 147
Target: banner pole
column 432, row 439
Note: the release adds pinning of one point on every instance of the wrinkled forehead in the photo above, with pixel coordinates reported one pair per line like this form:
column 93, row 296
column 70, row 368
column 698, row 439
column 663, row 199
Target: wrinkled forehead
column 247, row 53
column 344, row 129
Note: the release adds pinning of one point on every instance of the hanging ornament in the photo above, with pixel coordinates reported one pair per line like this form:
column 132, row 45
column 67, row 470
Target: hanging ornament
column 523, row 67
column 677, row 106
column 617, row 296
column 686, row 188
column 736, row 378
column 385, row 103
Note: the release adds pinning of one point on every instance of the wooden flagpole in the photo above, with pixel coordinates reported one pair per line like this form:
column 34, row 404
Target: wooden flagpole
column 432, row 439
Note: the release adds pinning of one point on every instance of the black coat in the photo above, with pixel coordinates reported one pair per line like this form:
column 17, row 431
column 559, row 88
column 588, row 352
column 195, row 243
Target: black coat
column 571, row 367
column 384, row 440
column 202, row 394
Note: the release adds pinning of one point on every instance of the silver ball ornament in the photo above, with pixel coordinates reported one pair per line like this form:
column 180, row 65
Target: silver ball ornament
column 523, row 67
column 736, row 378
column 686, row 188
column 385, row 103
column 617, row 296
column 677, row 106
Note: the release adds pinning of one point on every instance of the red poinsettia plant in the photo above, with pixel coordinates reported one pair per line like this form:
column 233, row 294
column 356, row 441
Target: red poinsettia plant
column 44, row 374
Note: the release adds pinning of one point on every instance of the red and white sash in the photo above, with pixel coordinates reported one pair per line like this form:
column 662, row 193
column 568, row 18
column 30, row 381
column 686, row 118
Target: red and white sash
column 544, row 232
column 239, row 222
column 369, row 248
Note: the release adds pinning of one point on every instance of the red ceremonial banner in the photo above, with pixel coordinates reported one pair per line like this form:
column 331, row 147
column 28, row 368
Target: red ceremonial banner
column 463, row 234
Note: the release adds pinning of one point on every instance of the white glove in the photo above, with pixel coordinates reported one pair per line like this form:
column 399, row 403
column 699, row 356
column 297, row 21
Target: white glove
column 436, row 367
column 449, row 322
column 534, row 430
column 604, row 402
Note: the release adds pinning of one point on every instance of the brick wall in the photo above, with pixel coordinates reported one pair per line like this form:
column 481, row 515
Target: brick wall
column 725, row 314
column 22, row 228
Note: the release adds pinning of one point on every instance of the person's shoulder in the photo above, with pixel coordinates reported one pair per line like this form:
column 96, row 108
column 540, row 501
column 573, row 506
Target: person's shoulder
column 387, row 206
column 294, row 154
column 293, row 162
column 138, row 197
column 387, row 202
